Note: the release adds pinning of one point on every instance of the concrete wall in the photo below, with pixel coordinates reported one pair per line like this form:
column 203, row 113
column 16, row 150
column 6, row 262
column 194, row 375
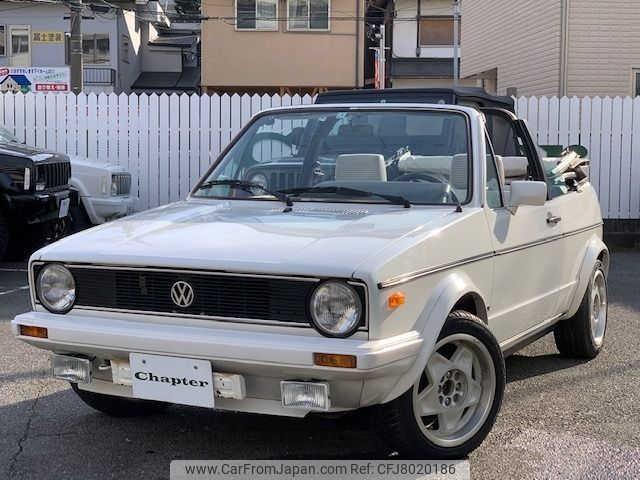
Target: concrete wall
column 519, row 38
column 273, row 59
column 603, row 47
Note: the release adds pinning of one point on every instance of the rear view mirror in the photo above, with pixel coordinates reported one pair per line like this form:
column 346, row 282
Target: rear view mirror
column 523, row 193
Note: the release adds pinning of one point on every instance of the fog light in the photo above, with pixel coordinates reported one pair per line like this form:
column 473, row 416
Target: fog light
column 305, row 395
column 72, row 369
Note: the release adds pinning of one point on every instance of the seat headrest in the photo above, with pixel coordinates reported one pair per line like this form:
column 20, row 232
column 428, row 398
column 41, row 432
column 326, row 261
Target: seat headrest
column 361, row 167
column 459, row 176
column 515, row 166
column 363, row 130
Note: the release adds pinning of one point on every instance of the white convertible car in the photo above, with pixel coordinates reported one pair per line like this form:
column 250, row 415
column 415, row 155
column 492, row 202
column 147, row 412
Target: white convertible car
column 335, row 257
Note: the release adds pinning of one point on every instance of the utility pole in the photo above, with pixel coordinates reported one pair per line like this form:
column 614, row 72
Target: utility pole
column 75, row 44
column 456, row 42
column 381, row 57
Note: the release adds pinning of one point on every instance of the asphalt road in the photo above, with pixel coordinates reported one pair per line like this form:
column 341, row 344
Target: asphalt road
column 561, row 418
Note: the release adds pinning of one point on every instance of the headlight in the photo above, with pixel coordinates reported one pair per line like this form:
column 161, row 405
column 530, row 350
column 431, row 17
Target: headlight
column 336, row 309
column 260, row 179
column 56, row 288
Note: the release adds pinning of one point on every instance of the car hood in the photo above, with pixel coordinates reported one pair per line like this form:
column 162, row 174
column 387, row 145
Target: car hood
column 249, row 236
column 93, row 165
column 34, row 154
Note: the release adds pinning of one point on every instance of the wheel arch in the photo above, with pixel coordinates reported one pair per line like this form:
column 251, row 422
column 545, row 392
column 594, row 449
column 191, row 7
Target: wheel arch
column 456, row 291
column 596, row 250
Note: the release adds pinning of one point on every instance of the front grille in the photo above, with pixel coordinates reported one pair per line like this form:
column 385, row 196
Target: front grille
column 215, row 295
column 123, row 183
column 283, row 180
column 54, row 175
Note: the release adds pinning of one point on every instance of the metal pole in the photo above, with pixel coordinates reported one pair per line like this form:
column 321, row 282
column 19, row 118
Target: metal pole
column 381, row 58
column 456, row 50
column 75, row 44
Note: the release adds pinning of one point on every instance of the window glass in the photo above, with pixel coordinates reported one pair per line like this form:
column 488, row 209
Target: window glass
column 636, row 83
column 95, row 49
column 256, row 15
column 494, row 186
column 20, row 56
column 308, row 14
column 369, row 149
column 3, row 41
column 437, row 31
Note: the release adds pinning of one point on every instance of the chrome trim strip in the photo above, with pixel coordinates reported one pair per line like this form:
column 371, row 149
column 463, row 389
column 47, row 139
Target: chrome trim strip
column 191, row 272
column 254, row 321
column 391, row 282
column 400, row 279
column 524, row 246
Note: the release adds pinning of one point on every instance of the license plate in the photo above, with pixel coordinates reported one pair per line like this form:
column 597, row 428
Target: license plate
column 170, row 379
column 64, row 207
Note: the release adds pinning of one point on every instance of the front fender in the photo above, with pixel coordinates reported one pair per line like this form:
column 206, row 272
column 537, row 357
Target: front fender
column 595, row 247
column 433, row 317
column 85, row 193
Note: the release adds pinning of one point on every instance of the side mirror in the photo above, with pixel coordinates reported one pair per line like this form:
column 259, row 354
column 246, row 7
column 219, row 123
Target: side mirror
column 527, row 193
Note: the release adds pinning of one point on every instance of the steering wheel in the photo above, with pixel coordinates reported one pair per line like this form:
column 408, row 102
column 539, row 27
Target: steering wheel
column 420, row 177
column 448, row 197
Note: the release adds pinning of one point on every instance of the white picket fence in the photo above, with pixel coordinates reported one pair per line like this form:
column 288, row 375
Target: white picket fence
column 167, row 142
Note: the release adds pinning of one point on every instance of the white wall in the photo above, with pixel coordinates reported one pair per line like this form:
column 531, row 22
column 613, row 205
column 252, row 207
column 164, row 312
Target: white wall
column 520, row 38
column 128, row 72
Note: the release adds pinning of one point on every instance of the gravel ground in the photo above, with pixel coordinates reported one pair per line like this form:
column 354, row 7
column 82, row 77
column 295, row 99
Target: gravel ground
column 561, row 419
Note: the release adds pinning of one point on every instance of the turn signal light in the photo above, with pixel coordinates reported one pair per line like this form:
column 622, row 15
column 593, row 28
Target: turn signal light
column 396, row 299
column 335, row 360
column 30, row 331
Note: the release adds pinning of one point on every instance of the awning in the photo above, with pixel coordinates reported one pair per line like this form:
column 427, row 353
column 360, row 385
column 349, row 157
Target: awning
column 187, row 80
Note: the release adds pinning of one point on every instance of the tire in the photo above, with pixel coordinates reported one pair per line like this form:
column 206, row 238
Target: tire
column 78, row 219
column 465, row 350
column 4, row 237
column 119, row 406
column 582, row 335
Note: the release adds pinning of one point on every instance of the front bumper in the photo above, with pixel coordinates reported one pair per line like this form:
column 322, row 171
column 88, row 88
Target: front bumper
column 103, row 209
column 263, row 359
column 32, row 208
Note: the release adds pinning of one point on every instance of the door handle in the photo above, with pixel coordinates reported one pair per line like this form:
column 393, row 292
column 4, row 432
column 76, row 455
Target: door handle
column 552, row 219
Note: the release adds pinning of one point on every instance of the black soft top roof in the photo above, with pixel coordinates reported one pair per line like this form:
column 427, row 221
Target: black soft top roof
column 467, row 96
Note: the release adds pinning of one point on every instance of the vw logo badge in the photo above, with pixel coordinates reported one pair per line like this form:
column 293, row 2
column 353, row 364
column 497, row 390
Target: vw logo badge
column 182, row 294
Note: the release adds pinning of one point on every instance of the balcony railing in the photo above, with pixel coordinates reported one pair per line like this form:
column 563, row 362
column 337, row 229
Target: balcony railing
column 99, row 76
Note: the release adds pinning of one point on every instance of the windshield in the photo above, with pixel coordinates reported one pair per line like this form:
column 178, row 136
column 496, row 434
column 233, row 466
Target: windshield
column 7, row 137
column 364, row 155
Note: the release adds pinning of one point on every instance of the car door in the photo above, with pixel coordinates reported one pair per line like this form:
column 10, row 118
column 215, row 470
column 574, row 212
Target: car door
column 528, row 243
column 580, row 215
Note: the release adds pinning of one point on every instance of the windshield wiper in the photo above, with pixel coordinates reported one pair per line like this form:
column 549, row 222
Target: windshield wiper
column 247, row 186
column 393, row 199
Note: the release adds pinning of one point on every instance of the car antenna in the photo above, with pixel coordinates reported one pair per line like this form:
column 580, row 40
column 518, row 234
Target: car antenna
column 458, row 208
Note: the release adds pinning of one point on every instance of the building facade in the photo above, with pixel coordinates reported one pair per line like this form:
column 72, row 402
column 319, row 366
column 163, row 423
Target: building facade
column 553, row 47
column 282, row 46
column 35, row 35
column 422, row 49
column 126, row 47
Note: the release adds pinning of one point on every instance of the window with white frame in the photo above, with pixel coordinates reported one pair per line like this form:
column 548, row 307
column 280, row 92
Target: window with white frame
column 308, row 14
column 256, row 15
column 3, row 41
